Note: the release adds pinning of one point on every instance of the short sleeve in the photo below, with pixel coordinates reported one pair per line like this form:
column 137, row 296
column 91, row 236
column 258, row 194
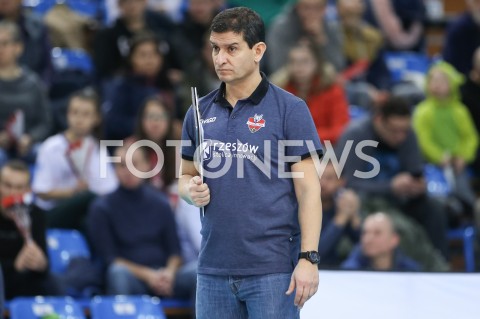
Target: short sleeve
column 44, row 177
column 188, row 136
column 301, row 133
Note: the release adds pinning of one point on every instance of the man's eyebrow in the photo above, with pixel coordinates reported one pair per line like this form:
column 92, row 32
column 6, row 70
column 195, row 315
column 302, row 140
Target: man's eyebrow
column 226, row 45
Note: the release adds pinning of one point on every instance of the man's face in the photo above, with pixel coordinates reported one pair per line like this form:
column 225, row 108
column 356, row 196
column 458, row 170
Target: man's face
column 309, row 10
column 474, row 8
column 378, row 237
column 202, row 11
column 13, row 182
column 234, row 61
column 394, row 129
column 132, row 9
column 126, row 177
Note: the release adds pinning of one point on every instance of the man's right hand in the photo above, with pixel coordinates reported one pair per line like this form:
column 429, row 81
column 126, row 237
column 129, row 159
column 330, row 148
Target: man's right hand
column 198, row 192
column 401, row 184
column 30, row 258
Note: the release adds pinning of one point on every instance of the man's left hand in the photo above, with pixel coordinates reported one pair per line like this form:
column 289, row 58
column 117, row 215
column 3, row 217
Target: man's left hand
column 304, row 281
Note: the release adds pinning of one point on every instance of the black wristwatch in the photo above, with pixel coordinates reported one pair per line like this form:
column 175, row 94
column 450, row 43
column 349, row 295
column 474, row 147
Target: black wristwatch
column 311, row 256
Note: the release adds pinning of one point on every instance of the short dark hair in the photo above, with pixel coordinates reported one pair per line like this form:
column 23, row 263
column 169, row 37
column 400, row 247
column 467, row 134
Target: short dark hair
column 17, row 165
column 394, row 106
column 240, row 20
column 87, row 94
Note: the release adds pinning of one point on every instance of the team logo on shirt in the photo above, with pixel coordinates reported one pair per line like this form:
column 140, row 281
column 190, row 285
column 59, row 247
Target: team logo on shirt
column 255, row 123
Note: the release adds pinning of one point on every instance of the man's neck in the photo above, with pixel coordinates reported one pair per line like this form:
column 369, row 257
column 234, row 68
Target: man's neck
column 242, row 90
column 71, row 136
column 383, row 262
column 10, row 72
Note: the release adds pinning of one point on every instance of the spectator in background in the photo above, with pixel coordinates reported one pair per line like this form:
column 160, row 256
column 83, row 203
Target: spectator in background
column 191, row 32
column 68, row 168
column 147, row 76
column 24, row 112
column 33, row 35
column 155, row 124
column 401, row 22
column 133, row 232
column 463, row 37
column 362, row 45
column 304, row 19
column 341, row 216
column 23, row 258
column 471, row 98
column 112, row 44
column 200, row 73
column 399, row 180
column 379, row 249
column 312, row 79
column 445, row 129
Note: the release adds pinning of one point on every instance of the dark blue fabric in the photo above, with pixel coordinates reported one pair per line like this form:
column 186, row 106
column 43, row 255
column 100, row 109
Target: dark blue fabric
column 137, row 225
column 357, row 261
column 251, row 223
column 123, row 102
column 331, row 236
column 407, row 11
column 463, row 37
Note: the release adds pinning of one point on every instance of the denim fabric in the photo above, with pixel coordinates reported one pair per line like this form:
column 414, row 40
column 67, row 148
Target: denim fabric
column 242, row 297
column 120, row 281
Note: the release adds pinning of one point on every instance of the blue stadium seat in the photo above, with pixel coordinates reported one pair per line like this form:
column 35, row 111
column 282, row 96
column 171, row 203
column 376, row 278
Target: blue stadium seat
column 63, row 245
column 357, row 112
column 38, row 307
column 71, row 59
column 404, row 66
column 91, row 8
column 467, row 235
column 437, row 184
column 126, row 307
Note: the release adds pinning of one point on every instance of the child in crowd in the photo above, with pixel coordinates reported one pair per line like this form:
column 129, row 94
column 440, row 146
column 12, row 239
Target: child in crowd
column 313, row 80
column 68, row 169
column 445, row 129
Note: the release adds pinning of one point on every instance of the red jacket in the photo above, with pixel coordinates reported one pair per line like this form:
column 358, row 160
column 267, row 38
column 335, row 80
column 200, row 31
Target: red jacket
column 329, row 109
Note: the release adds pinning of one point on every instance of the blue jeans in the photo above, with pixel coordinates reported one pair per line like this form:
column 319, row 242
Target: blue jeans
column 120, row 281
column 242, row 297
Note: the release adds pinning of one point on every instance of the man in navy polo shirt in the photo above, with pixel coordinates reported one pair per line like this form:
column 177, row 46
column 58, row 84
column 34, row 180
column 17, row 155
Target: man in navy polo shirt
column 261, row 225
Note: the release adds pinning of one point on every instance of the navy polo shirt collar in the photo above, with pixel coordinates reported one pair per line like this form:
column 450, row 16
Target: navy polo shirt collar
column 256, row 97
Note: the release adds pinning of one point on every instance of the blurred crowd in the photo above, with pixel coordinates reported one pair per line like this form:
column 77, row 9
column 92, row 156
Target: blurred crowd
column 122, row 70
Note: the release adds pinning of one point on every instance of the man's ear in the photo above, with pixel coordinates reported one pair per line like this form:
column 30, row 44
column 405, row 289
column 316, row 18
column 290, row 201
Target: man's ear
column 259, row 50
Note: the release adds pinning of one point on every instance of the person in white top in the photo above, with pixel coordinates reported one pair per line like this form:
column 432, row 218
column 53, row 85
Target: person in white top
column 67, row 172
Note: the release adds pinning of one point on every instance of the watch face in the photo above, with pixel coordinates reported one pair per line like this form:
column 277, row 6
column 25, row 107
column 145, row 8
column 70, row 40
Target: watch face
column 314, row 257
